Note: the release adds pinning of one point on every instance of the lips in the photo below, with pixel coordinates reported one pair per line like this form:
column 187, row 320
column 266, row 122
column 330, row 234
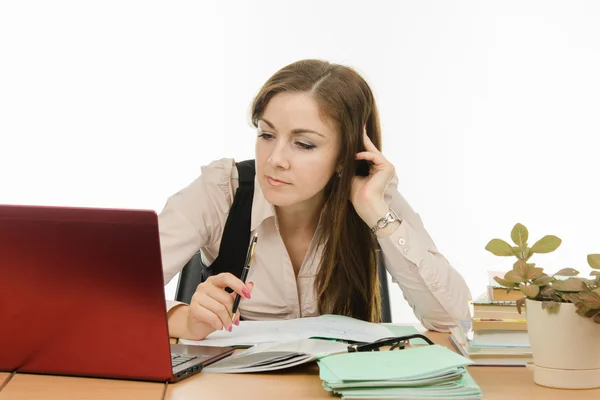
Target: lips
column 274, row 181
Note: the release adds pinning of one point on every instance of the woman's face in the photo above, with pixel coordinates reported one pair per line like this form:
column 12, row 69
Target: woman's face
column 296, row 151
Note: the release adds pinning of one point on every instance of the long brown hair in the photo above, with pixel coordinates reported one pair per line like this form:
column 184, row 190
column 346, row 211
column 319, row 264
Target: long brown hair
column 347, row 282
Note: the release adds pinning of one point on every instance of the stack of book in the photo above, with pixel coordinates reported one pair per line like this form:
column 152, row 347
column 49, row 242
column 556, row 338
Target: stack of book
column 497, row 334
column 498, row 314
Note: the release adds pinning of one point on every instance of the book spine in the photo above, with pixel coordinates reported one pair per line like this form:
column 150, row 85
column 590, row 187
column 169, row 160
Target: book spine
column 480, row 324
column 502, row 315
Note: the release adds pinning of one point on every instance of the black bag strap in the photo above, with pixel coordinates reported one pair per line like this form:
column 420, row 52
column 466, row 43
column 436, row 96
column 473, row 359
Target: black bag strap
column 236, row 234
column 234, row 242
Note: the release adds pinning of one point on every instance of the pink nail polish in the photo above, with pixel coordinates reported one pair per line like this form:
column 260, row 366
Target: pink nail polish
column 237, row 321
column 229, row 329
column 246, row 293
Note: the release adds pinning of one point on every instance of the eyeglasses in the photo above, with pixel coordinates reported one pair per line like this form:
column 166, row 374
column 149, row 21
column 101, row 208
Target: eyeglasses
column 399, row 342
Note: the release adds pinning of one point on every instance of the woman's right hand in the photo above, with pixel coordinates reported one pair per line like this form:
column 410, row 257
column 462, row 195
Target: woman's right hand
column 211, row 306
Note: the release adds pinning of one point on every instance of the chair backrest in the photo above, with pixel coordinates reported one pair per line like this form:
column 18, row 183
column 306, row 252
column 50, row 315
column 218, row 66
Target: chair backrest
column 192, row 274
column 195, row 272
column 386, row 304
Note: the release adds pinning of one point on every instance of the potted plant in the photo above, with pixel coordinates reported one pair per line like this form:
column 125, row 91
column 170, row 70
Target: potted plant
column 563, row 312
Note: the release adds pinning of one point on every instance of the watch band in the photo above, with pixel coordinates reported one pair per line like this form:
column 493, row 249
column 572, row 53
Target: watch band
column 382, row 222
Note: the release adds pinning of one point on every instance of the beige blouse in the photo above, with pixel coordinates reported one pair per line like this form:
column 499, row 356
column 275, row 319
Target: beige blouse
column 193, row 219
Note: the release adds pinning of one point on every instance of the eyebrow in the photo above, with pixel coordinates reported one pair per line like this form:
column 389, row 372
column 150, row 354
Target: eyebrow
column 296, row 131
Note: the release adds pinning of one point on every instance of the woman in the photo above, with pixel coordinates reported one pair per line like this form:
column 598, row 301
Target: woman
column 316, row 219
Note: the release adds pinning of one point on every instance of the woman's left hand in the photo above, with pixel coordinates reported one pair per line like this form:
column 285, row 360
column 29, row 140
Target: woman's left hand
column 366, row 193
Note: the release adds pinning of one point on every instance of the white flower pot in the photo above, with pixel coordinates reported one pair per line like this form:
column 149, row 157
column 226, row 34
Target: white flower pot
column 565, row 346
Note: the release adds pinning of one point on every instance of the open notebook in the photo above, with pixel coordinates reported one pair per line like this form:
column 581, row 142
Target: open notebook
column 282, row 344
column 249, row 333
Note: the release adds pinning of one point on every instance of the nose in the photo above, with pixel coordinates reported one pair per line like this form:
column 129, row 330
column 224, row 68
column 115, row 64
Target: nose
column 278, row 158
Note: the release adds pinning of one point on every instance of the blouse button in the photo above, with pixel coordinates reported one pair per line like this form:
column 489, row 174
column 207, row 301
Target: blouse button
column 402, row 241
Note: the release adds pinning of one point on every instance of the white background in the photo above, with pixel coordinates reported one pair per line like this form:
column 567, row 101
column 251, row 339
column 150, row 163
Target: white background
column 489, row 109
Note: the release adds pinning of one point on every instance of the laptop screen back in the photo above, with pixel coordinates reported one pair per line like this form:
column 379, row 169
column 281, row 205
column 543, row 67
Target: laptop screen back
column 81, row 293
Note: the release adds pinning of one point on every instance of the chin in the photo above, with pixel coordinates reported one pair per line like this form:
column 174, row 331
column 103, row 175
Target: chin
column 279, row 199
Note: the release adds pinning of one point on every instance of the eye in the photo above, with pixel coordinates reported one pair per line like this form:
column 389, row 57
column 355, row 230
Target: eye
column 305, row 146
column 265, row 135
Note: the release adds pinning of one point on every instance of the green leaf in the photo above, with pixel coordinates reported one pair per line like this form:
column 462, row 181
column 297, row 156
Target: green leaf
column 522, row 254
column 550, row 305
column 569, row 285
column 547, row 291
column 534, row 273
column 595, row 273
column 530, row 291
column 505, row 283
column 519, row 235
column 580, row 309
column 527, row 271
column 518, row 252
column 572, row 297
column 542, row 280
column 591, row 300
column 546, row 244
column 589, row 282
column 521, row 268
column 499, row 247
column 567, row 272
column 594, row 260
column 520, row 304
column 513, row 276
column 528, row 253
column 591, row 313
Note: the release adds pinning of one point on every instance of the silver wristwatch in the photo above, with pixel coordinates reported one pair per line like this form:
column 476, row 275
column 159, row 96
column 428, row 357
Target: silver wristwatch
column 390, row 217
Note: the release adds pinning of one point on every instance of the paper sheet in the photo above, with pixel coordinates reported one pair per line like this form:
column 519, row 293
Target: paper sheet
column 274, row 356
column 325, row 326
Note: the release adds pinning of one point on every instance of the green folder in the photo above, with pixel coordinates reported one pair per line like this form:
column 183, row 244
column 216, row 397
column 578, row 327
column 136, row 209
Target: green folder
column 424, row 372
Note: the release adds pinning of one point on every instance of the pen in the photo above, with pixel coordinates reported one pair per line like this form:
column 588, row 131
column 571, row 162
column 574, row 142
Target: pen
column 249, row 256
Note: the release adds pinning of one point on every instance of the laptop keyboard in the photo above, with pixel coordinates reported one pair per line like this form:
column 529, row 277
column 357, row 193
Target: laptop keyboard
column 178, row 359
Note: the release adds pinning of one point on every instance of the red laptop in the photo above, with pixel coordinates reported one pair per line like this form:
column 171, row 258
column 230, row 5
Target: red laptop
column 81, row 293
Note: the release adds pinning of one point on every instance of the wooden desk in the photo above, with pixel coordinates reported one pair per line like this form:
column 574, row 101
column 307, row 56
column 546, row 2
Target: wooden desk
column 42, row 387
column 497, row 383
column 514, row 383
column 3, row 377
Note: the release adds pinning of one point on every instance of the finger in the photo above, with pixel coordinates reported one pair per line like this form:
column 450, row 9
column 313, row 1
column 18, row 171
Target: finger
column 236, row 317
column 249, row 285
column 377, row 159
column 369, row 146
column 219, row 309
column 221, row 296
column 200, row 314
column 226, row 279
column 226, row 299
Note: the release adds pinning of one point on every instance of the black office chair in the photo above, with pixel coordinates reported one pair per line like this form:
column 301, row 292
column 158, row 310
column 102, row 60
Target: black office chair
column 192, row 274
column 195, row 272
column 386, row 307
